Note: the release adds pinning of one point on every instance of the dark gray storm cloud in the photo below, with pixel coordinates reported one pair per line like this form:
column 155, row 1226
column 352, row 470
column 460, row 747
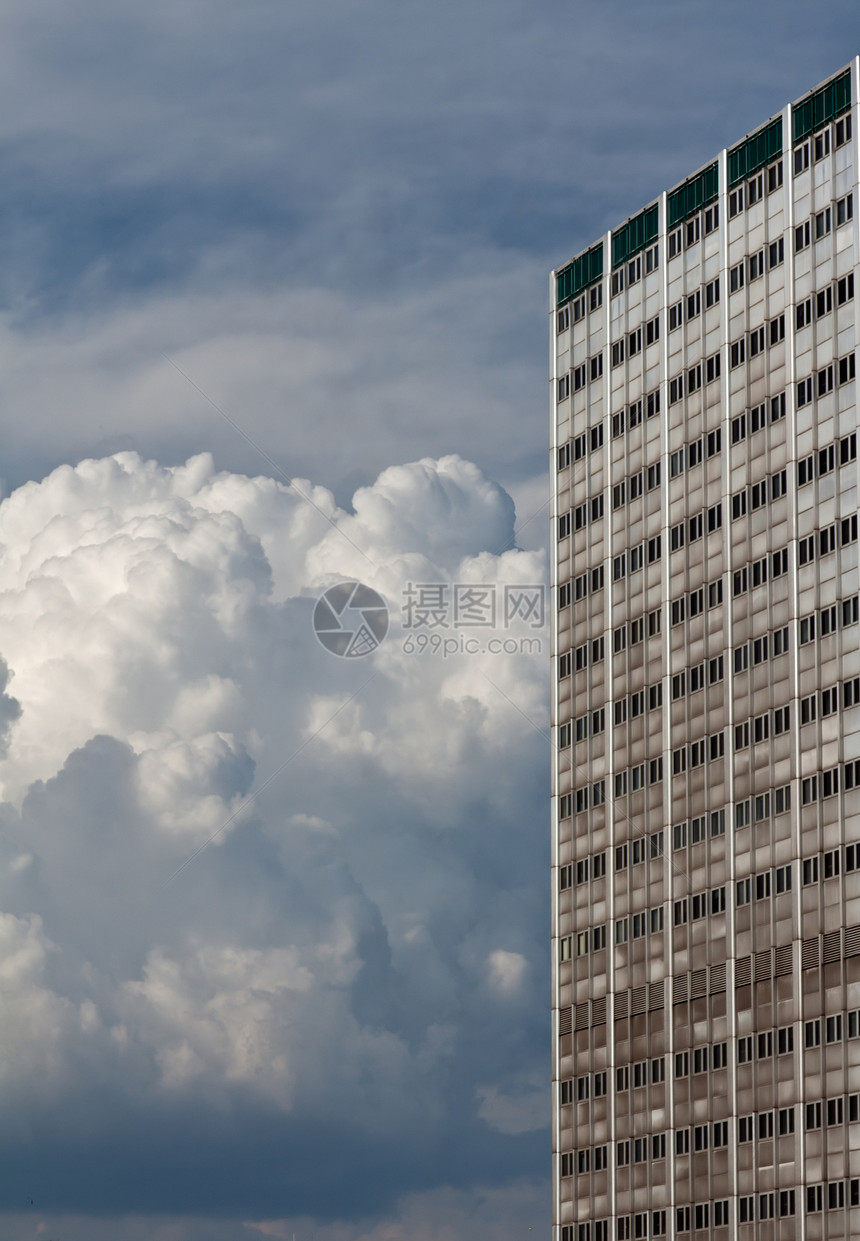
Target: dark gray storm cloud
column 380, row 192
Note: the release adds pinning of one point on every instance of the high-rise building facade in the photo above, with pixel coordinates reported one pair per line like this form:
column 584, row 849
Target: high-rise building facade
column 706, row 700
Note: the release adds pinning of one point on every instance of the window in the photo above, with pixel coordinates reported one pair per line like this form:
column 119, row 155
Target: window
column 844, row 210
column 845, row 290
column 564, row 387
column 736, row 277
column 776, row 251
column 738, row 353
column 833, row 1029
column 822, row 223
column 712, row 292
column 801, row 234
column 736, row 202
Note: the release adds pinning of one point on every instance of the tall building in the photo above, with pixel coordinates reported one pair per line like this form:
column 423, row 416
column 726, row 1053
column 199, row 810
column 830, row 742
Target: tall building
column 706, row 700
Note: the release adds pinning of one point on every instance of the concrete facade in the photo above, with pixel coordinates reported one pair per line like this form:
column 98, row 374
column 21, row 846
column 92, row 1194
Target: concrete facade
column 706, row 700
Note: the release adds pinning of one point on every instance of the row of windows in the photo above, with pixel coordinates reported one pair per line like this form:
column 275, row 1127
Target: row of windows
column 759, row 887
column 595, row 649
column 821, row 223
column 635, row 778
column 761, row 727
column 769, row 1205
column 638, row 850
column 688, row 234
column 821, row 303
column 585, row 584
column 640, row 1074
column 637, row 926
column 631, row 344
column 575, row 449
column 828, row 865
column 761, row 1046
column 754, row 342
column 819, row 147
column 689, row 909
column 636, row 485
column 635, row 558
column 757, row 494
column 812, row 788
column 749, row 577
column 694, row 527
column 747, row 346
column 714, row 1135
column 631, row 273
column 828, row 700
column 825, row 461
column 592, row 724
column 756, row 418
column 822, row 381
column 594, row 866
column 690, row 307
column 693, row 679
column 692, row 908
column 580, row 516
column 834, row 1196
column 634, row 705
column 636, row 630
column 753, row 190
column 693, row 604
column 632, row 415
column 826, row 783
column 762, row 806
column 697, row 753
column 589, row 371
column 754, row 265
column 592, row 795
column 831, row 1112
column 593, row 299
column 627, row 1226
column 756, row 574
column 692, row 454
column 840, row 534
column 693, row 378
column 760, row 650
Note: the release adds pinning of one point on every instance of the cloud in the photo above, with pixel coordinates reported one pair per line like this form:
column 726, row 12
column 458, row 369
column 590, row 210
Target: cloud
column 262, row 895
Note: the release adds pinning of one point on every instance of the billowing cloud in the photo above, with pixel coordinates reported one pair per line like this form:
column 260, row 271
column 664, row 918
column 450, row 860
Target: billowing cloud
column 251, row 890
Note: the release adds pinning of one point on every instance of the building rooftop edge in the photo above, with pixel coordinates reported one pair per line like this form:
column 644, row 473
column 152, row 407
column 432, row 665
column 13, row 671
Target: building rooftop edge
column 651, row 202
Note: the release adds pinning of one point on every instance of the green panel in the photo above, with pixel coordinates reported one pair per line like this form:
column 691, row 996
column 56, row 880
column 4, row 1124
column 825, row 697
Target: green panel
column 754, row 152
column 579, row 274
column 634, row 236
column 821, row 106
column 694, row 194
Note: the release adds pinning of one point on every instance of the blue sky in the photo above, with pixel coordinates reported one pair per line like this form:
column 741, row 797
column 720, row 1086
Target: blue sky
column 337, row 222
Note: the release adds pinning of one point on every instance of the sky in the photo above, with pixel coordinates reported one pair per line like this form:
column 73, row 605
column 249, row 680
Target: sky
column 274, row 922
